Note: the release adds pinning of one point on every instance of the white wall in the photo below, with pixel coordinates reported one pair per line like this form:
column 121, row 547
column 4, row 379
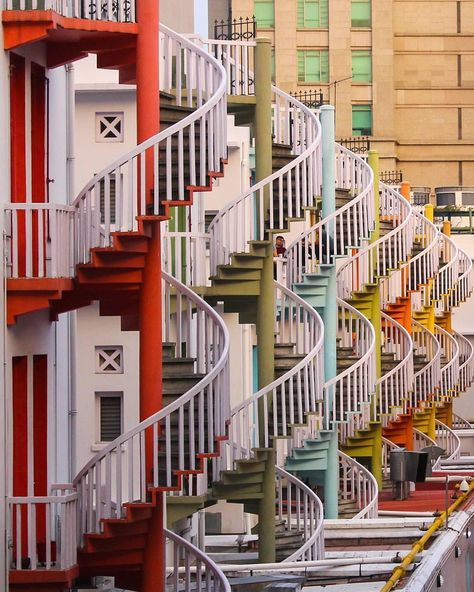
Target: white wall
column 92, row 156
column 94, row 330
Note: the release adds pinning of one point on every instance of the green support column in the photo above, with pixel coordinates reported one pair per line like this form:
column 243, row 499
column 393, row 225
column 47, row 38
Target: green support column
column 266, row 512
column 266, row 302
column 376, row 318
column 331, row 477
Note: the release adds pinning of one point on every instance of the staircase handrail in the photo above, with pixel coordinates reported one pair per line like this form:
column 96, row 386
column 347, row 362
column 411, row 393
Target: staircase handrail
column 317, row 244
column 460, row 423
column 244, row 430
column 395, row 385
column 237, row 57
column 463, row 287
column 359, row 376
column 447, row 276
column 447, row 439
column 252, row 219
column 387, row 447
column 196, row 566
column 60, row 528
column 309, row 511
column 450, row 371
column 422, row 440
column 48, row 231
column 213, row 388
column 466, row 361
column 371, row 261
column 122, row 11
column 427, row 379
column 364, row 488
column 417, row 272
column 203, row 74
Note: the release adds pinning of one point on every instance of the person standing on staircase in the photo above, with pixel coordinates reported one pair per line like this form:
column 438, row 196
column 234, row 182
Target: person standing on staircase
column 279, row 249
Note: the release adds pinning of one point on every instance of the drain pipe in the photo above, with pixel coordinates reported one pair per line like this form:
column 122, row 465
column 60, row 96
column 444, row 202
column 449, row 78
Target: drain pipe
column 307, row 566
column 438, row 523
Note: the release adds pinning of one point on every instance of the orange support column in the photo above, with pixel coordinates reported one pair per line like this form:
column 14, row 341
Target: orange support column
column 405, row 190
column 148, row 124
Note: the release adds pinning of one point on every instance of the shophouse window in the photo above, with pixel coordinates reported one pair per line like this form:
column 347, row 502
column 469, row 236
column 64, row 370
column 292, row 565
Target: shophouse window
column 362, row 65
column 312, row 14
column 313, row 65
column 361, row 13
column 110, row 415
column 361, row 120
column 265, row 13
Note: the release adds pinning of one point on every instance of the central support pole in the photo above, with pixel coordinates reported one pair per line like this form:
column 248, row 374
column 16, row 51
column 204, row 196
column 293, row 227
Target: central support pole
column 148, row 124
column 376, row 320
column 331, row 475
column 266, row 301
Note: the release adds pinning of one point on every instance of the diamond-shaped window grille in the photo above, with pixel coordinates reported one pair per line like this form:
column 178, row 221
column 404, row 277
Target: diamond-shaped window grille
column 109, row 359
column 109, row 127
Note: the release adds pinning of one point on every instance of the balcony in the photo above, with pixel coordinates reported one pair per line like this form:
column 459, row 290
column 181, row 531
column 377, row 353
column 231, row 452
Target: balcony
column 70, row 29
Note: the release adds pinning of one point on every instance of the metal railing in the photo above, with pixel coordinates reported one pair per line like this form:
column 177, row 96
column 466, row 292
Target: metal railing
column 346, row 228
column 394, row 386
column 41, row 531
column 449, row 441
column 39, row 238
column 357, row 484
column 427, row 379
column 290, row 399
column 191, row 569
column 197, row 80
column 302, row 511
column 449, row 374
column 121, row 472
column 120, row 11
column 459, row 423
column 377, row 259
column 347, row 392
column 284, row 194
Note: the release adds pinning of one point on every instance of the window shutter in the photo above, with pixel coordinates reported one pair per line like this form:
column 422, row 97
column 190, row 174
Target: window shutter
column 361, row 120
column 265, row 13
column 301, row 68
column 324, row 65
column 361, row 65
column 361, row 13
column 110, row 418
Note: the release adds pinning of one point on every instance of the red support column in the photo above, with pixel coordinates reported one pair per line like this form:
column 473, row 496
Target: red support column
column 148, row 124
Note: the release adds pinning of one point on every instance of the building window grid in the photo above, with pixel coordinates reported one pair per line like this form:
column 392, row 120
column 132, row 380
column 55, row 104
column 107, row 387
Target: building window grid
column 361, row 65
column 362, row 120
column 361, row 13
column 313, row 65
column 265, row 13
column 312, row 14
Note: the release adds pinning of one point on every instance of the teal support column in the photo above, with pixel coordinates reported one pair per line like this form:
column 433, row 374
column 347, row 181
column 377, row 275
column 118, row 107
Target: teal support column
column 266, row 301
column 331, row 477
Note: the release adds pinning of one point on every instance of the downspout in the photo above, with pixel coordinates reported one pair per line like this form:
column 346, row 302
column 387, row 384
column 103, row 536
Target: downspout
column 71, row 328
column 70, row 109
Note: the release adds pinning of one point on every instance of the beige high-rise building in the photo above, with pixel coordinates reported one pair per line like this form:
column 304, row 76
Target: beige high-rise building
column 400, row 71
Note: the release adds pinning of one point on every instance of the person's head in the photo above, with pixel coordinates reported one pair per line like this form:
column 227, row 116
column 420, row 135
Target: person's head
column 279, row 241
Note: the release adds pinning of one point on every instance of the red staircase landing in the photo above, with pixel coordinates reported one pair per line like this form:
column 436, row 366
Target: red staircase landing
column 42, row 580
column 400, row 431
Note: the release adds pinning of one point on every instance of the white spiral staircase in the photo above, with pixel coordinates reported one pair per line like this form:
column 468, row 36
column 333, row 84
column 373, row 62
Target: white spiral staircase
column 197, row 438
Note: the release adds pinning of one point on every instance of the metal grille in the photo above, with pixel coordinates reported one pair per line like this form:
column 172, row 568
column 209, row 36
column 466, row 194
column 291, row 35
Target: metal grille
column 391, row 177
column 236, row 29
column 110, row 417
column 313, row 99
column 356, row 144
